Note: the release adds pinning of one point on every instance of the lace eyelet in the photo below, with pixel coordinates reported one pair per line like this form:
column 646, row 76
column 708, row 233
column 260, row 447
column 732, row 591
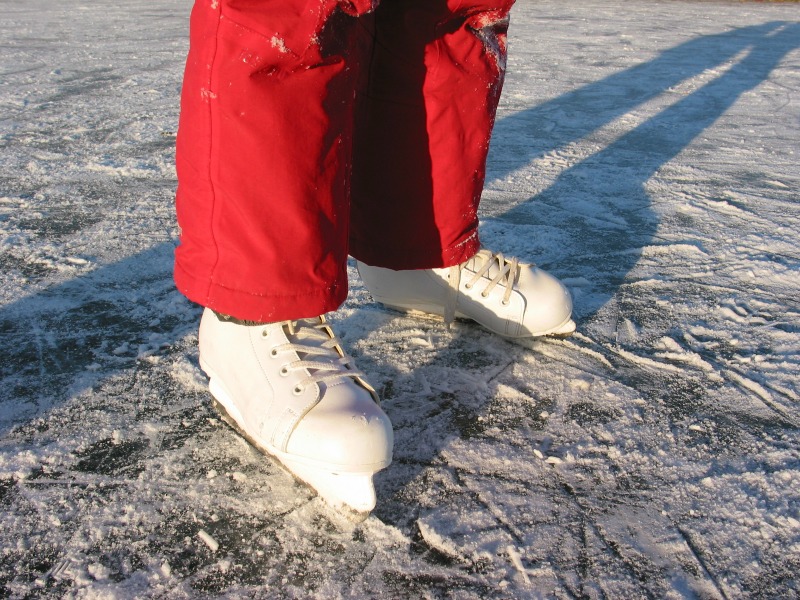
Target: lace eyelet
column 273, row 353
column 284, row 372
column 484, row 295
column 298, row 389
column 467, row 286
column 505, row 302
column 265, row 332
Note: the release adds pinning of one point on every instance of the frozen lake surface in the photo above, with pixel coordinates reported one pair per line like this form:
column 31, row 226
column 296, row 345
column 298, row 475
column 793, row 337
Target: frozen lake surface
column 646, row 152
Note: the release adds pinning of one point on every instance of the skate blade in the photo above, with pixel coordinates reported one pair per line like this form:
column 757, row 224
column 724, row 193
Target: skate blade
column 563, row 331
column 352, row 494
column 566, row 329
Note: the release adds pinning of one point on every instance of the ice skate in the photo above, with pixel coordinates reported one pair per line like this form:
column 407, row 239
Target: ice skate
column 513, row 299
column 290, row 389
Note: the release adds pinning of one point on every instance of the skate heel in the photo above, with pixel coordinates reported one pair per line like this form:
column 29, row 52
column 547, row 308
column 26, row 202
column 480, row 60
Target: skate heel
column 430, row 311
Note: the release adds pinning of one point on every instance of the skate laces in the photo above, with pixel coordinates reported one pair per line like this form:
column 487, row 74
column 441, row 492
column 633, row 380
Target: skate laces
column 494, row 267
column 319, row 352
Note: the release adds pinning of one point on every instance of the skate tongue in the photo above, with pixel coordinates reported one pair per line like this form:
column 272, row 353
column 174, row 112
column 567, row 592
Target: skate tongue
column 497, row 262
column 318, row 351
column 493, row 268
column 309, row 333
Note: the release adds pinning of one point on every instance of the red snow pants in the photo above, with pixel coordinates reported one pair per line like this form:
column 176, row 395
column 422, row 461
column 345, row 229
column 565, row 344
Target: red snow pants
column 314, row 129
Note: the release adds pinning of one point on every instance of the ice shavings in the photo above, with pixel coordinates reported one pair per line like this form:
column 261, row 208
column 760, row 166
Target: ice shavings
column 209, row 541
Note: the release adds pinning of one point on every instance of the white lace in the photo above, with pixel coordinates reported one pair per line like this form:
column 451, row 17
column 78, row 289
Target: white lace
column 507, row 274
column 319, row 352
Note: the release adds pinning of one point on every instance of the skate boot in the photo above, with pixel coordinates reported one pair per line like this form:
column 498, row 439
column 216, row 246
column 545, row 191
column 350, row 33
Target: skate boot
column 290, row 389
column 512, row 299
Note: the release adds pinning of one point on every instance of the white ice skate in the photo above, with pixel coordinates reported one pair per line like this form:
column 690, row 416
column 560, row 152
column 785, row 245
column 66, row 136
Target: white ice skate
column 512, row 299
column 290, row 389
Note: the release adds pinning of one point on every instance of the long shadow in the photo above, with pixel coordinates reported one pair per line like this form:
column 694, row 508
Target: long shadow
column 521, row 137
column 57, row 341
column 600, row 204
column 64, row 338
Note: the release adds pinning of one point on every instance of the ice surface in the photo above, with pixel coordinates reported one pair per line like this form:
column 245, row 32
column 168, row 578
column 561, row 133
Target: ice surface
column 646, row 153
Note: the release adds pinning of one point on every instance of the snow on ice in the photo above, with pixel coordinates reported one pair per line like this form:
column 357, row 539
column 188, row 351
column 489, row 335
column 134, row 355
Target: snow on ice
column 646, row 153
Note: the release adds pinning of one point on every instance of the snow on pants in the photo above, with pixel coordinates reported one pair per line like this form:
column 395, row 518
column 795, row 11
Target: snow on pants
column 314, row 129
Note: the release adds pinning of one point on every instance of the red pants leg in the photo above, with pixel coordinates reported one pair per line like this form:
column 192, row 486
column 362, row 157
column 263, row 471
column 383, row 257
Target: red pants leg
column 424, row 117
column 263, row 157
